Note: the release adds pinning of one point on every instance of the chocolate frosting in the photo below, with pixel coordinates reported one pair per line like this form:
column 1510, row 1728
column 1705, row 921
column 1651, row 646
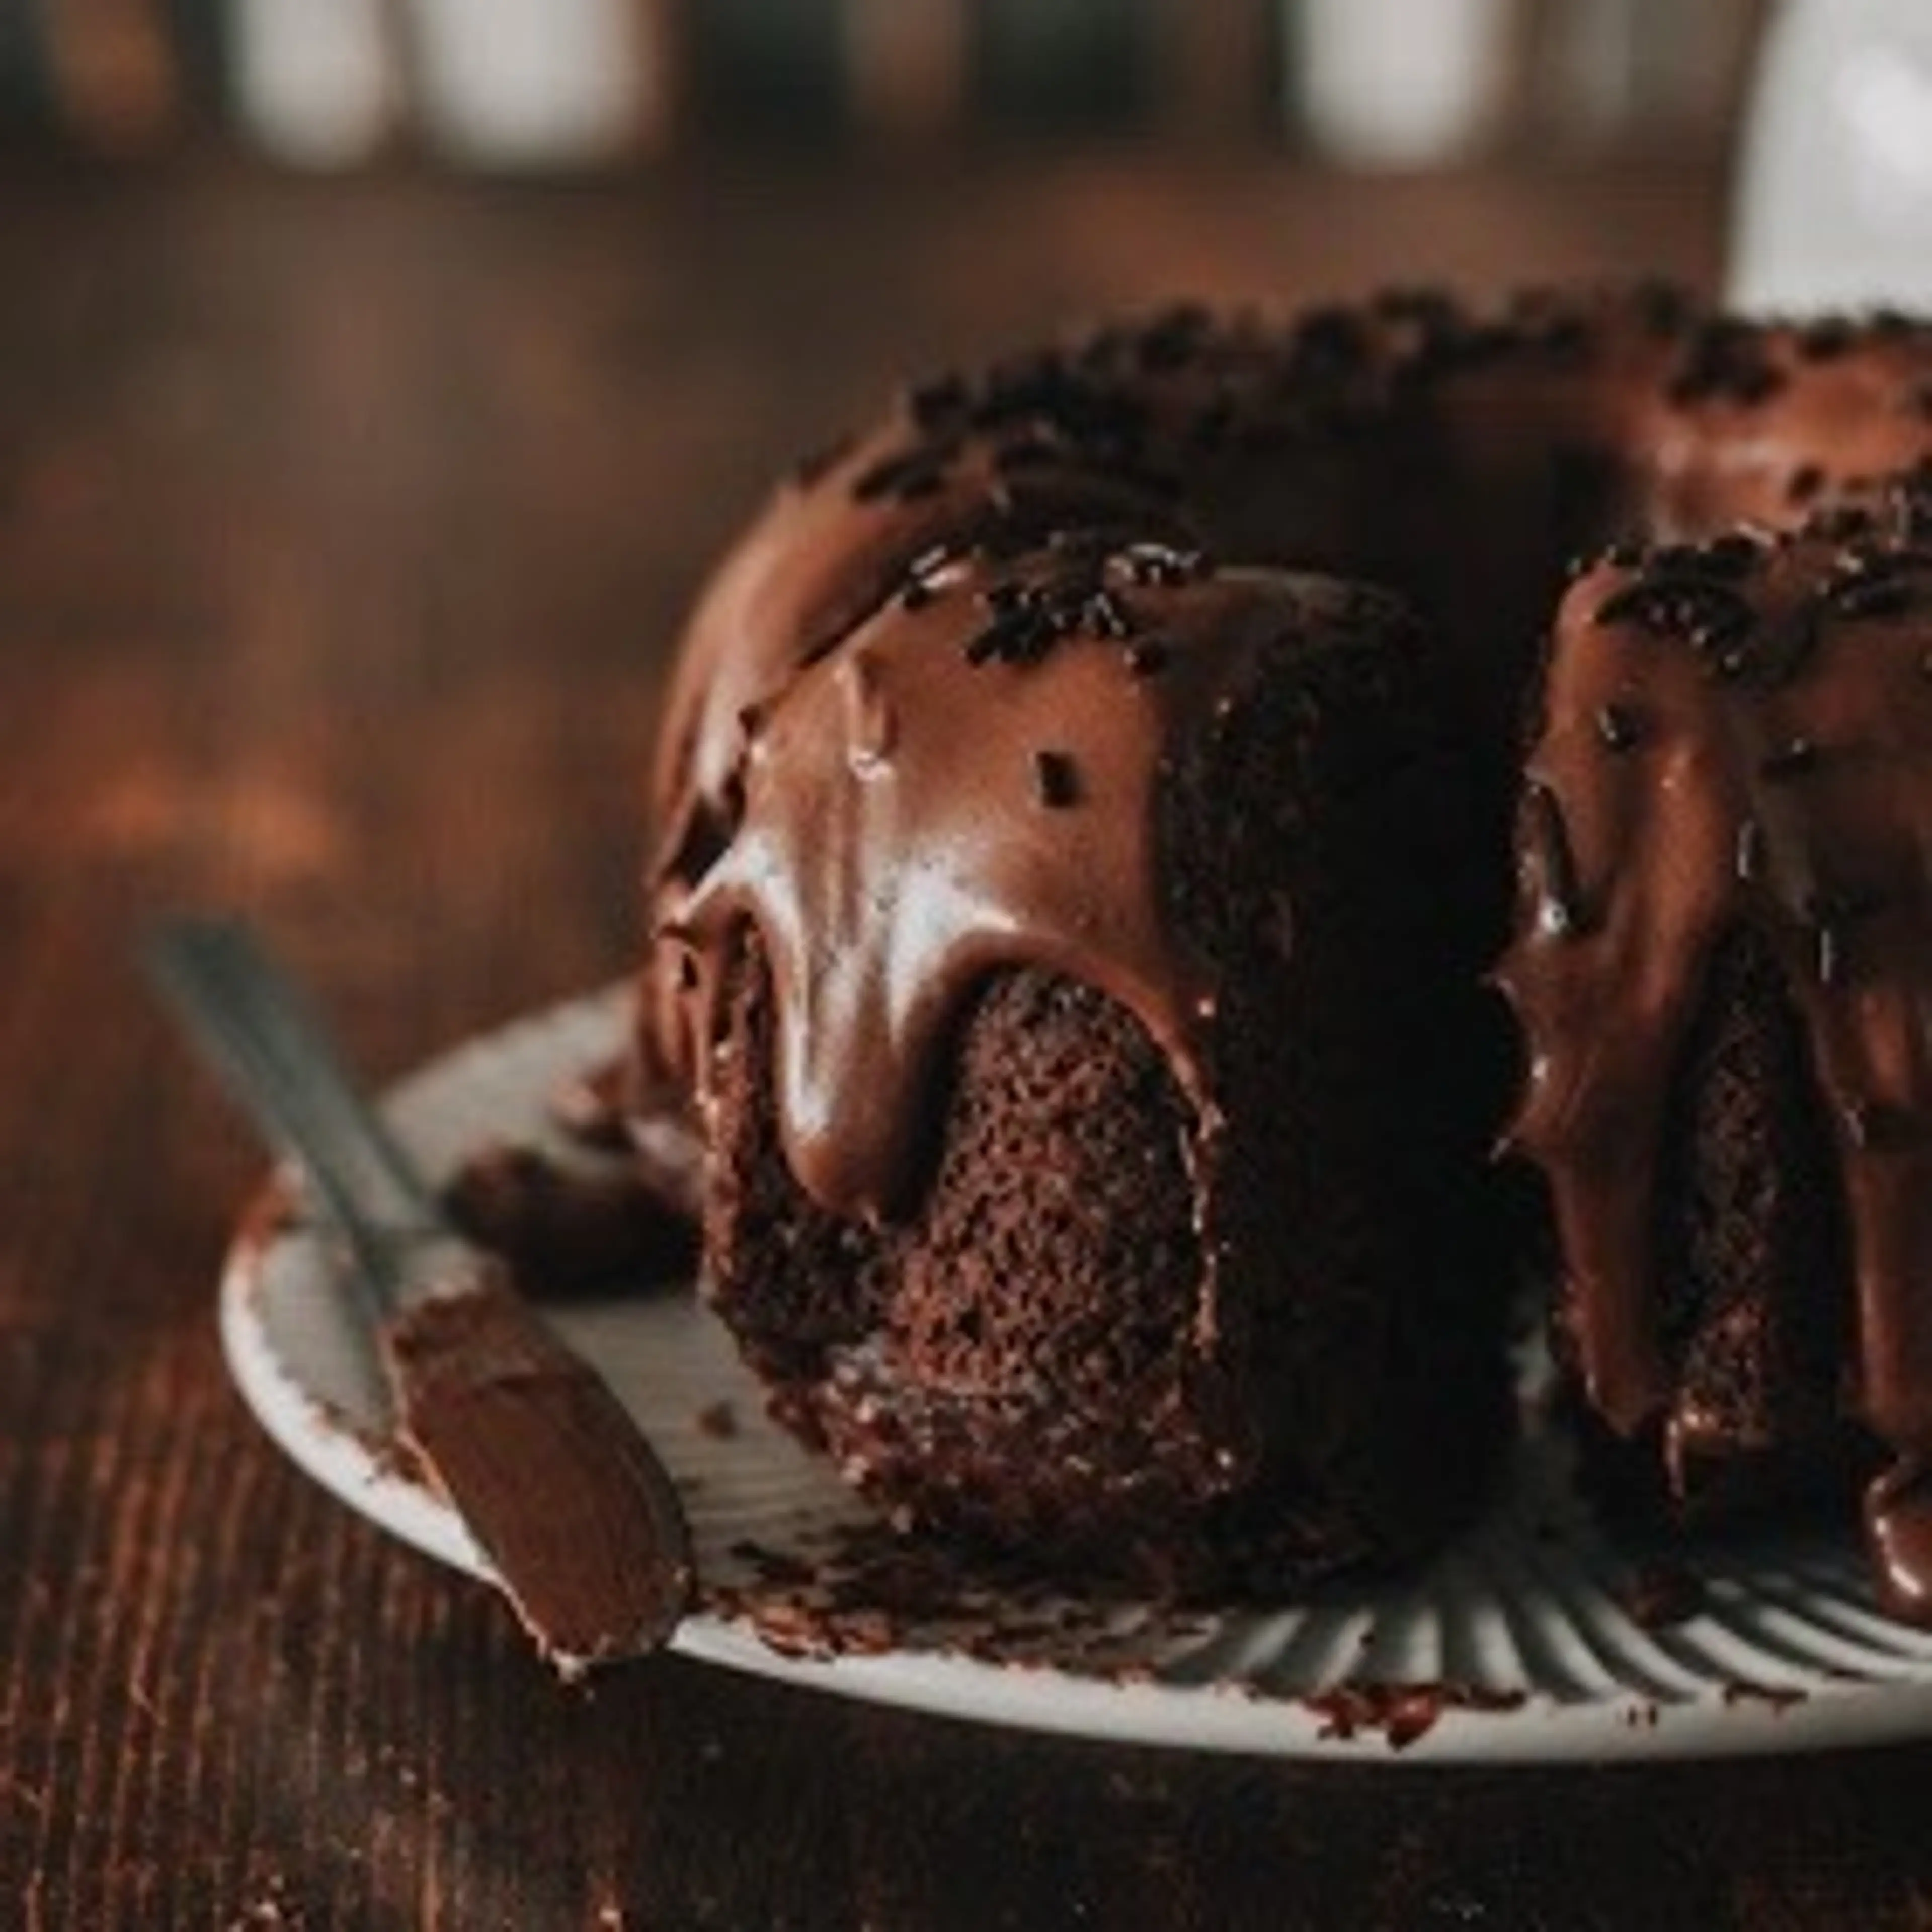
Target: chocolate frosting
column 1740, row 735
column 1697, row 769
column 971, row 782
column 597, row 1567
column 1408, row 439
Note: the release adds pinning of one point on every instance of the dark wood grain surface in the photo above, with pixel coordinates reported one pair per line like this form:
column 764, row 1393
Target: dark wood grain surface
column 342, row 531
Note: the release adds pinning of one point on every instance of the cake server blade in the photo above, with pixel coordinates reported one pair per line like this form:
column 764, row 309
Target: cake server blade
column 557, row 1485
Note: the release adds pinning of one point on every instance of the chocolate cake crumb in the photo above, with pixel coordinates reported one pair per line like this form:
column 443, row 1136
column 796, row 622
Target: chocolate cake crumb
column 719, row 1421
column 568, row 1231
column 592, row 1106
column 1660, row 1593
column 1780, row 1697
column 1403, row 1713
column 864, row 1589
column 1341, row 388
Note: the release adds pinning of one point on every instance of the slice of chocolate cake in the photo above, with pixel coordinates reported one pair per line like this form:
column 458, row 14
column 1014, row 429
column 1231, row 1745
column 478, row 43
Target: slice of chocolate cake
column 1723, row 968
column 1082, row 1017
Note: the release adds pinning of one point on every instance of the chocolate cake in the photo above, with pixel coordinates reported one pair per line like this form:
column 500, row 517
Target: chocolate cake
column 1723, row 968
column 1057, row 1000
column 1459, row 458
column 1105, row 1178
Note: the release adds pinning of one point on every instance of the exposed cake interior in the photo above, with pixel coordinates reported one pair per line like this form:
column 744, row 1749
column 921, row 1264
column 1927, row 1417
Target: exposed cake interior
column 1114, row 1075
column 1724, row 970
column 1140, row 1227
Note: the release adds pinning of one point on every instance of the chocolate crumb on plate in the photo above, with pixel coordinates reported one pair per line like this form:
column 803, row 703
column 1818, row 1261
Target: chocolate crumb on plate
column 1660, row 1592
column 1402, row 1713
column 569, row 1230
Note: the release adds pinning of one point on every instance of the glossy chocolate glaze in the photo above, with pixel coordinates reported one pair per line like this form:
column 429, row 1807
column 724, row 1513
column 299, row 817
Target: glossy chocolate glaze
column 972, row 782
column 597, row 1570
column 1455, row 457
column 1770, row 767
column 1398, row 439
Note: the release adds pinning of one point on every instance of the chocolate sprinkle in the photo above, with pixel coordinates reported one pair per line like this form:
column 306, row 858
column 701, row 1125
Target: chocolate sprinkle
column 1109, row 615
column 1821, row 340
column 995, row 640
column 906, row 474
column 1870, row 596
column 1736, row 553
column 1056, row 779
column 1669, row 601
column 1659, row 1593
column 1027, row 618
column 1726, row 360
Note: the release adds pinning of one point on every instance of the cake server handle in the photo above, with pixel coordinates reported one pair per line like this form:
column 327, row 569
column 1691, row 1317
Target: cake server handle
column 255, row 1026
column 556, row 1483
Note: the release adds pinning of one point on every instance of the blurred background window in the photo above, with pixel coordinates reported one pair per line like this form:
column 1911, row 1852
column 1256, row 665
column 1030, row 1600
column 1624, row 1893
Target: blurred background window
column 562, row 83
column 1825, row 105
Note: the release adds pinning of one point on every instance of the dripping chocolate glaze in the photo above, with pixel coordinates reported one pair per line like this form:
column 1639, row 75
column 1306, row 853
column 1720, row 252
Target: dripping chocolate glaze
column 898, row 840
column 1330, row 440
column 1344, row 440
column 1839, row 880
column 1291, row 440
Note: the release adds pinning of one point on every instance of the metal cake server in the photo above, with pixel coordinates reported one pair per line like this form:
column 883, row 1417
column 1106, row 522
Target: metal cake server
column 555, row 1481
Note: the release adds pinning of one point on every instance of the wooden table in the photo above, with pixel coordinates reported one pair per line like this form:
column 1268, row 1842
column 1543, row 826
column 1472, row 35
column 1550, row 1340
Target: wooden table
column 342, row 531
